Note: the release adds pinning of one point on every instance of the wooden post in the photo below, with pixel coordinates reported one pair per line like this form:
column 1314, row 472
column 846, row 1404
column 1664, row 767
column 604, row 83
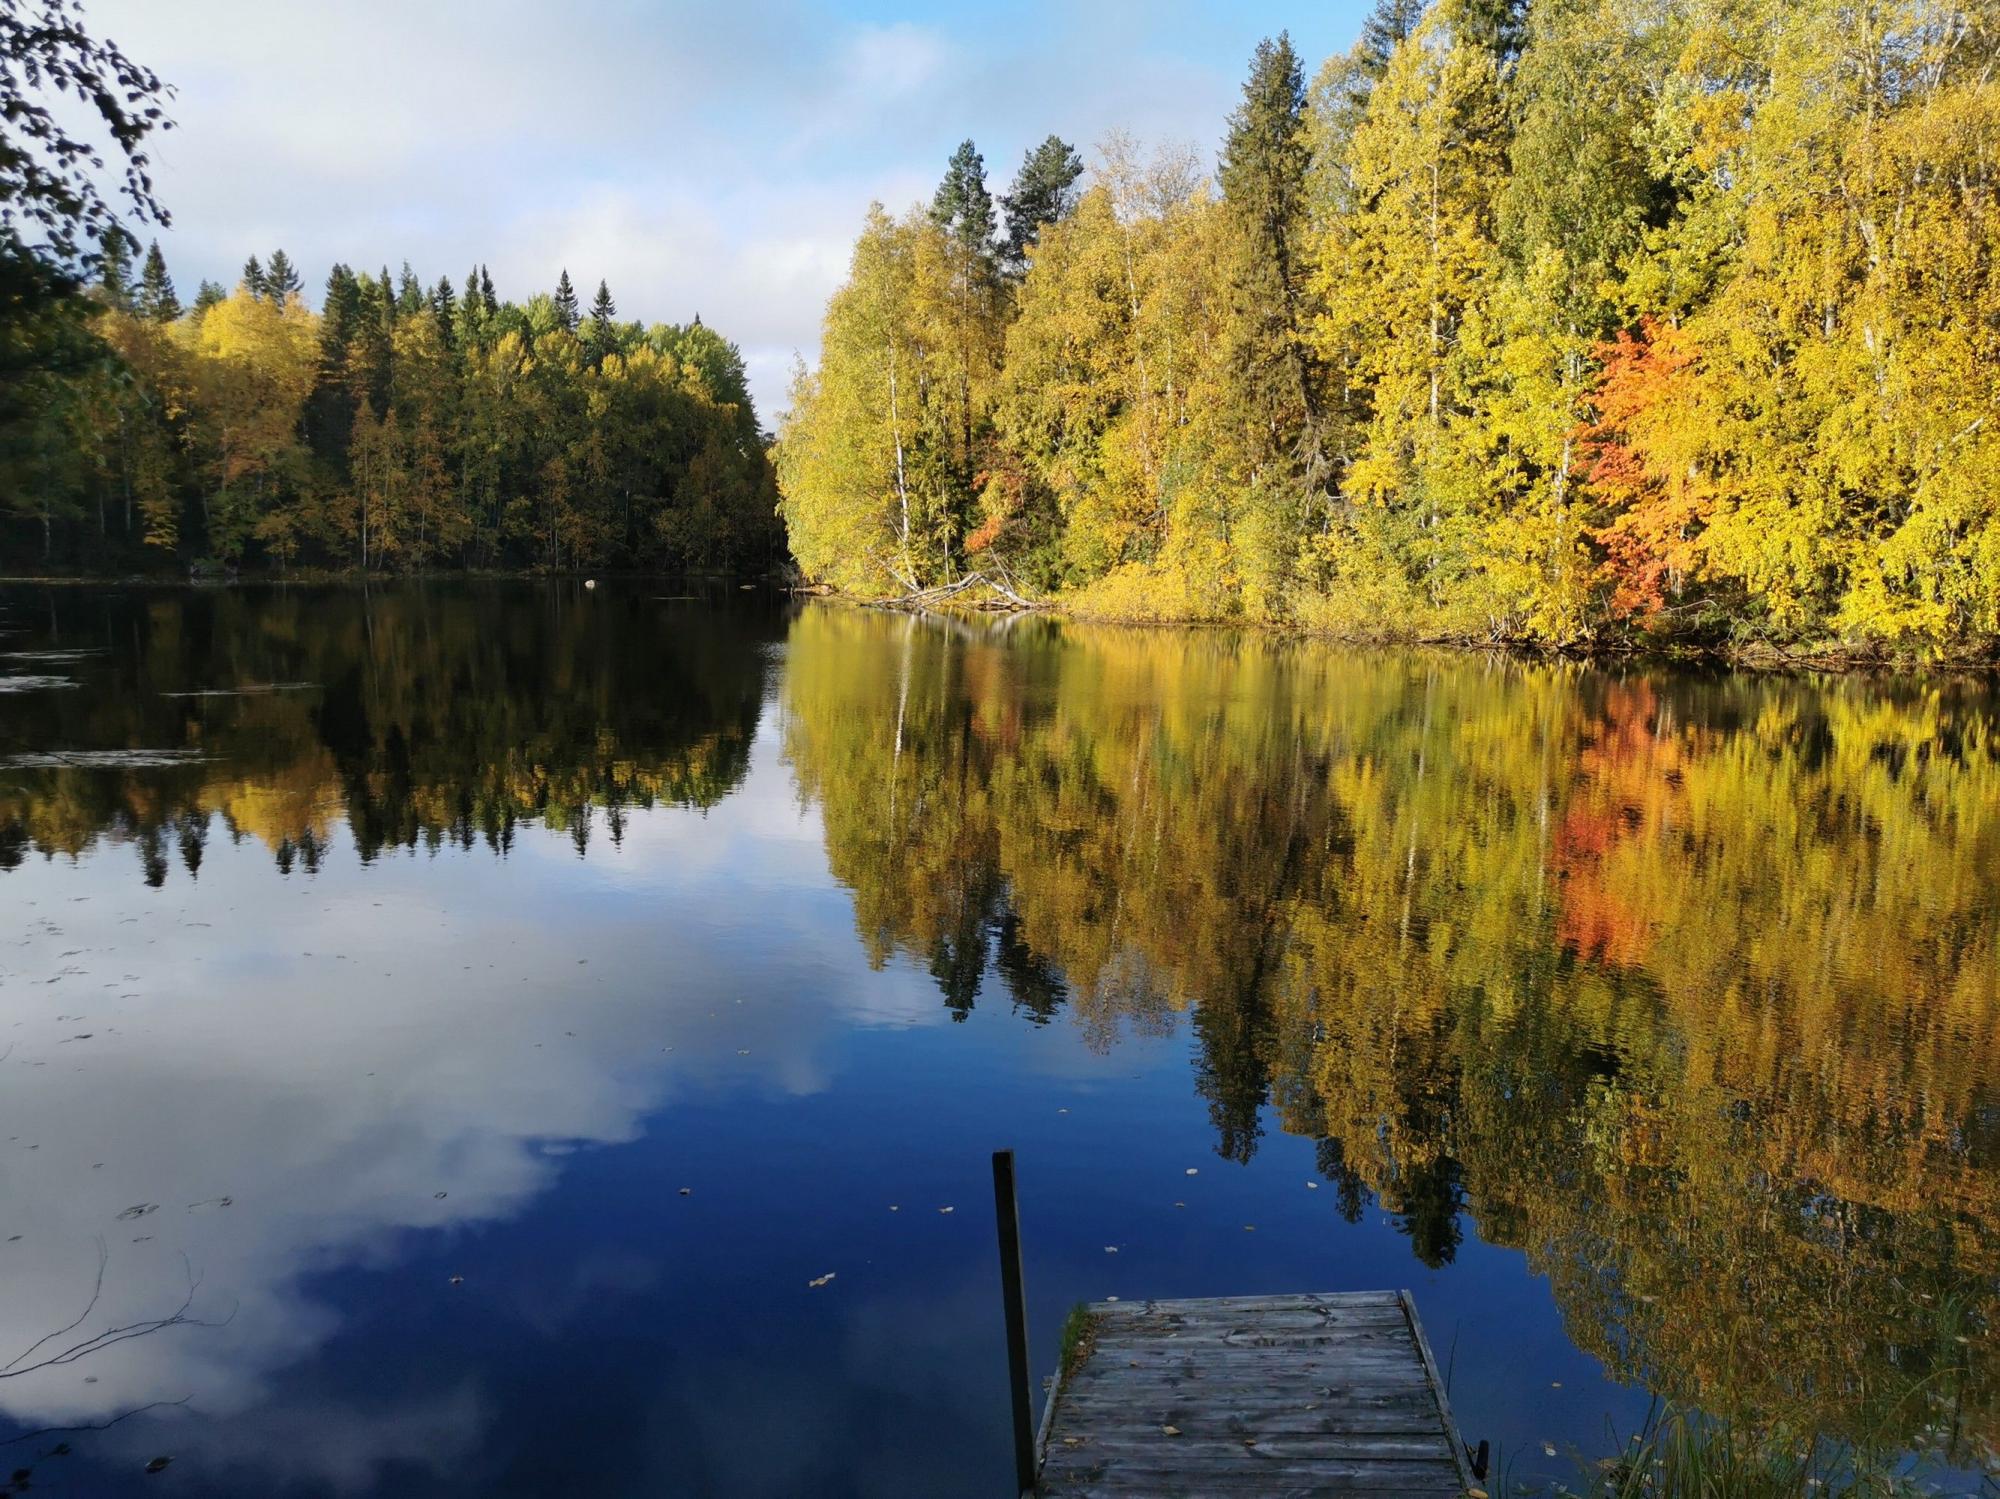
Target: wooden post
column 1007, row 1210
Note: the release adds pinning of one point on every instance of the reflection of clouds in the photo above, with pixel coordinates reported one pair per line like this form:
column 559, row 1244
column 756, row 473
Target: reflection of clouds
column 331, row 1053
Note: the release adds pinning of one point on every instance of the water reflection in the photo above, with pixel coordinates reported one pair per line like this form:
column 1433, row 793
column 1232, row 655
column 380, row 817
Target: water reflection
column 1684, row 987
column 409, row 717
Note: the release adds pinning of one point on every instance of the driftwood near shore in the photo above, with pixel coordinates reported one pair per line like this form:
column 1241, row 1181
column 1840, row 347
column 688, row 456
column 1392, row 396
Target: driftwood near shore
column 999, row 598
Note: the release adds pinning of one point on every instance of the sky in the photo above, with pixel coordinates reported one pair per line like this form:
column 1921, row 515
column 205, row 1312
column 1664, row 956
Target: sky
column 713, row 158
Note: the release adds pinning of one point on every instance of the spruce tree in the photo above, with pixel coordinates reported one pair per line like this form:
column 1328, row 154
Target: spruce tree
column 281, row 280
column 206, row 295
column 156, row 288
column 486, row 297
column 1044, row 192
column 444, row 308
column 1497, row 27
column 471, row 313
column 1273, row 377
column 568, row 312
column 330, row 408
column 1387, row 27
column 385, row 305
column 411, row 297
column 114, row 270
column 253, row 277
column 603, row 319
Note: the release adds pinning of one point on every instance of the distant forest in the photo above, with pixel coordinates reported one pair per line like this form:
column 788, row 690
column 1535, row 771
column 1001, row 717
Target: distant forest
column 1571, row 321
column 403, row 425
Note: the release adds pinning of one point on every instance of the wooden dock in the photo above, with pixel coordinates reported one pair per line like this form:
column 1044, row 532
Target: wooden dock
column 1268, row 1395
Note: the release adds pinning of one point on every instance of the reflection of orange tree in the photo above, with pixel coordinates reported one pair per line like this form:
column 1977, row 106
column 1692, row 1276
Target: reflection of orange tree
column 1688, row 986
column 428, row 717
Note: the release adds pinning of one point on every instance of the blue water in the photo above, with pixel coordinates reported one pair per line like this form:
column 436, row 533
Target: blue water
column 531, row 1156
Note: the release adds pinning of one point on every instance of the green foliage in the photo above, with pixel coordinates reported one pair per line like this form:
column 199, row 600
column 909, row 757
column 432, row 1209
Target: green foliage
column 1044, row 192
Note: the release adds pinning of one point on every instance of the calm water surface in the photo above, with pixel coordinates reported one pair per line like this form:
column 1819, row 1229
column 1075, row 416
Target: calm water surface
column 462, row 1021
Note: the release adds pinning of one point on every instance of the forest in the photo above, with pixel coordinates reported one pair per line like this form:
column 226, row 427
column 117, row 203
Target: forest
column 402, row 426
column 1574, row 322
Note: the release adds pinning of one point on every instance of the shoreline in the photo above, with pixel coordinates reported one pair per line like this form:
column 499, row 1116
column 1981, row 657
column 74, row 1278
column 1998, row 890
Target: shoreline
column 1757, row 656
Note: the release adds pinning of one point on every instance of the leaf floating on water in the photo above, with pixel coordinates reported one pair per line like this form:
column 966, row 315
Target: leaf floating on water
column 1172, row 1431
column 1194, row 1171
column 686, row 1190
column 1110, row 1248
column 822, row 1280
column 1312, row 1186
column 438, row 1195
column 138, row 1210
column 158, row 1465
column 944, row 1210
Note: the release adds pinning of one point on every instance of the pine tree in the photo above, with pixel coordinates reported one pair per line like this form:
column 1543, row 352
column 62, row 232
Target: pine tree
column 114, row 272
column 206, row 295
column 254, row 281
column 1044, row 192
column 963, row 210
column 1274, row 378
column 281, row 281
column 962, row 207
column 568, row 313
column 156, row 288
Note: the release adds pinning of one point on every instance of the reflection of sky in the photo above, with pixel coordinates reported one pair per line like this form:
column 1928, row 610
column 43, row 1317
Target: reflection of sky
column 559, row 1046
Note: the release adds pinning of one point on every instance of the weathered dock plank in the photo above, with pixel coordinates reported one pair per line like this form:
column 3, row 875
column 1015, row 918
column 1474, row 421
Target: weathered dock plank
column 1302, row 1394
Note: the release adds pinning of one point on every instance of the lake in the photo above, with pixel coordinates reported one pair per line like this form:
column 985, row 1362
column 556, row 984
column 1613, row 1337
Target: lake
column 459, row 1030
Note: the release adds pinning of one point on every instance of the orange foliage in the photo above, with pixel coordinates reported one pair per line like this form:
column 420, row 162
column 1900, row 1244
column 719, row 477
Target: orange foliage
column 1655, row 497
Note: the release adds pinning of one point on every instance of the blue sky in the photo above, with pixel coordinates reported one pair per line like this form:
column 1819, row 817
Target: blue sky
column 712, row 158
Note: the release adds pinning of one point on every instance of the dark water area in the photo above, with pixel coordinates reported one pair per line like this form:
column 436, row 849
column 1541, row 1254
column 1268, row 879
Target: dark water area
column 454, row 1027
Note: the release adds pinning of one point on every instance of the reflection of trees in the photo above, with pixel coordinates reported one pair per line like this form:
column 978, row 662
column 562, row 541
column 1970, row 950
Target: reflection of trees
column 427, row 717
column 1687, row 987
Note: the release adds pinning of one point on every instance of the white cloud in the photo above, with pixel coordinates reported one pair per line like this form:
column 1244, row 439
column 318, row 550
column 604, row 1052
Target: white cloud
column 700, row 157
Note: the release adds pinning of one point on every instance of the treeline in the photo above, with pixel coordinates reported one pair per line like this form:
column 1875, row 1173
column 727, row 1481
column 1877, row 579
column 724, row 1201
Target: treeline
column 401, row 426
column 1561, row 320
